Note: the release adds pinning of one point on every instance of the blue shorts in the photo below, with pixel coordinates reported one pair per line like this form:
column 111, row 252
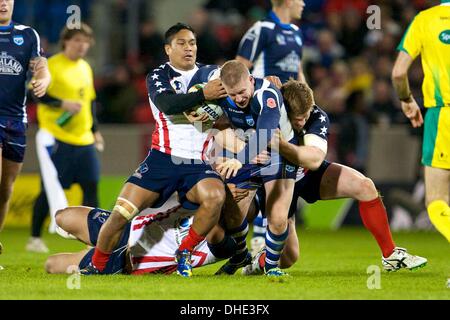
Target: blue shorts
column 96, row 218
column 13, row 139
column 75, row 164
column 165, row 174
column 251, row 176
column 308, row 188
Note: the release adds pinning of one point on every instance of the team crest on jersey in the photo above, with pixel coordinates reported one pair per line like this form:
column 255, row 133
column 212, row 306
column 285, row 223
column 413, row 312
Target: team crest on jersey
column 9, row 65
column 18, row 40
column 290, row 168
column 281, row 40
column 250, row 121
column 177, row 86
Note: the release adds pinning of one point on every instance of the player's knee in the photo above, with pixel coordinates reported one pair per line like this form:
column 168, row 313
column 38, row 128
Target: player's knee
column 366, row 189
column 60, row 217
column 214, row 197
column 51, row 265
column 6, row 192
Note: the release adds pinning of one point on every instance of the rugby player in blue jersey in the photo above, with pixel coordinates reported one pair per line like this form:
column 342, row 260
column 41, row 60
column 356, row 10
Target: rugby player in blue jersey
column 20, row 53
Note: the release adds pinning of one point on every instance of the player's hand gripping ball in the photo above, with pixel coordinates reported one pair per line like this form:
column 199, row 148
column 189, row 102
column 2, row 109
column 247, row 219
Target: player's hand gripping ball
column 210, row 108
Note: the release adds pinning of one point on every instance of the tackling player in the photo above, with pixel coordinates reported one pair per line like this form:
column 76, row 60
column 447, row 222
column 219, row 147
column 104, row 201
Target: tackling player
column 318, row 179
column 174, row 162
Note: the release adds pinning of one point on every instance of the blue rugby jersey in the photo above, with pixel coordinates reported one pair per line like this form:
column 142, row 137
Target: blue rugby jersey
column 18, row 45
column 274, row 48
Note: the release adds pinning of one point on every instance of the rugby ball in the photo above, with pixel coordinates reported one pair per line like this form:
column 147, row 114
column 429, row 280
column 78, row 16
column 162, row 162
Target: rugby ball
column 213, row 110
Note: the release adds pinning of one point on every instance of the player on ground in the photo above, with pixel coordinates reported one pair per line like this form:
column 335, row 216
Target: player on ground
column 67, row 149
column 429, row 36
column 255, row 104
column 273, row 47
column 318, row 179
column 20, row 52
column 147, row 244
column 174, row 162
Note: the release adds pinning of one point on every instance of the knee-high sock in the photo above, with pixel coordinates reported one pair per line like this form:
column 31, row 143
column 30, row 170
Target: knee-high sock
column 259, row 226
column 374, row 216
column 274, row 247
column 191, row 240
column 239, row 235
column 439, row 213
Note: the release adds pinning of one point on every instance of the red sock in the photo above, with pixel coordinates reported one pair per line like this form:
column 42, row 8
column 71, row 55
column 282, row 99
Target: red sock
column 374, row 216
column 100, row 259
column 191, row 240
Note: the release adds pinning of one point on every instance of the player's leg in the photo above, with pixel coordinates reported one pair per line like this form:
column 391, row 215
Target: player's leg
column 131, row 200
column 9, row 172
column 88, row 174
column 209, row 194
column 437, row 183
column 436, row 159
column 64, row 262
column 339, row 181
column 74, row 221
column 278, row 200
column 235, row 217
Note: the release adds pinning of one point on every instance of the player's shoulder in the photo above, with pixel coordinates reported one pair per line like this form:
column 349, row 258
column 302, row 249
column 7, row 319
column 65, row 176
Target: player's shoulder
column 156, row 74
column 264, row 90
column 26, row 30
column 318, row 115
column 264, row 24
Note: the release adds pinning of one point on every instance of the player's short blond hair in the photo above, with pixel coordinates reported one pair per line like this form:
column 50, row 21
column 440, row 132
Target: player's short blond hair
column 69, row 33
column 297, row 96
column 232, row 72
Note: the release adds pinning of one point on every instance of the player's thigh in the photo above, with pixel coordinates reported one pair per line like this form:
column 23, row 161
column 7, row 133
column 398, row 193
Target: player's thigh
column 140, row 197
column 437, row 184
column 208, row 191
column 339, row 181
column 64, row 262
column 74, row 220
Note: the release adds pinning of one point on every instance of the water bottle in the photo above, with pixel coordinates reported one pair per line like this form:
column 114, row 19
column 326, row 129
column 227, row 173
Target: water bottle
column 64, row 118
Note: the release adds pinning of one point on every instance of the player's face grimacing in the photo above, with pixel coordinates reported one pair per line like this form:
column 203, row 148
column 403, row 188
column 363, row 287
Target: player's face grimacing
column 182, row 50
column 242, row 92
column 6, row 11
column 299, row 121
column 78, row 46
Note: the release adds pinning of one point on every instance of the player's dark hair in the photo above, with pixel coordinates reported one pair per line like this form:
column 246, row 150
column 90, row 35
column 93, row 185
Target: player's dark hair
column 173, row 30
column 68, row 33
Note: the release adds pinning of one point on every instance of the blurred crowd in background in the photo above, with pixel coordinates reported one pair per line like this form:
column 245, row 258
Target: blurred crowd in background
column 347, row 65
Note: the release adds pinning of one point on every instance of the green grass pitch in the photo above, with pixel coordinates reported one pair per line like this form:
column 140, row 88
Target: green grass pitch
column 333, row 265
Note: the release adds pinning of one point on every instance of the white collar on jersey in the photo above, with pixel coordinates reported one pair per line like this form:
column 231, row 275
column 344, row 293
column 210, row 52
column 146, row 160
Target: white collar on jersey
column 184, row 71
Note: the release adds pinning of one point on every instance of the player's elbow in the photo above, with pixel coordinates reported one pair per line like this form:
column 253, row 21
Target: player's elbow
column 398, row 74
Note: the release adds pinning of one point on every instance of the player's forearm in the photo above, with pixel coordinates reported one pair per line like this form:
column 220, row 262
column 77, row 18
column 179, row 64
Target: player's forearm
column 304, row 156
column 401, row 86
column 171, row 103
column 39, row 69
column 49, row 100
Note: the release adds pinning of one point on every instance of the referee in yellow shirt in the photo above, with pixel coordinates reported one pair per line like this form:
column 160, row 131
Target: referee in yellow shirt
column 67, row 139
column 429, row 36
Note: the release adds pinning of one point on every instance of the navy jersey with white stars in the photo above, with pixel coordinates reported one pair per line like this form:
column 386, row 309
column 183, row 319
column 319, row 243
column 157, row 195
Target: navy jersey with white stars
column 266, row 111
column 274, row 48
column 318, row 125
column 174, row 134
column 18, row 45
